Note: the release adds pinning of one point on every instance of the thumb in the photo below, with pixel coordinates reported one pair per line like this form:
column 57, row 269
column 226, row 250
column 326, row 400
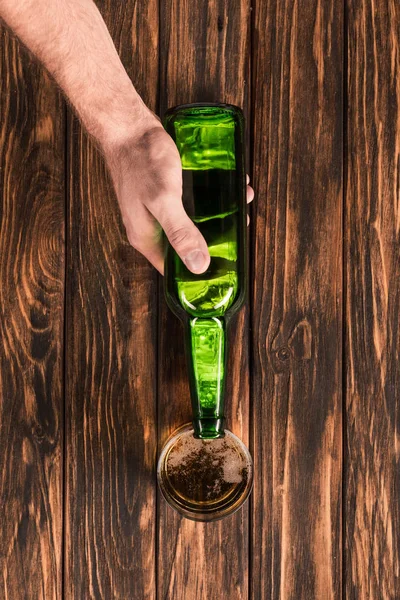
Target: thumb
column 184, row 237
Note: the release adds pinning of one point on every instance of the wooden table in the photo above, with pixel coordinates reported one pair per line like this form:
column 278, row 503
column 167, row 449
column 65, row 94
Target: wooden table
column 92, row 375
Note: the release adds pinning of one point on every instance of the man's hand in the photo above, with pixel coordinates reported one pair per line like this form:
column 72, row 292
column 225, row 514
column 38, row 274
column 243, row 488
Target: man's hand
column 71, row 39
column 147, row 174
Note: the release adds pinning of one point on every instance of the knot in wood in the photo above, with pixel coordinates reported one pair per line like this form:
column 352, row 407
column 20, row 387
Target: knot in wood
column 283, row 353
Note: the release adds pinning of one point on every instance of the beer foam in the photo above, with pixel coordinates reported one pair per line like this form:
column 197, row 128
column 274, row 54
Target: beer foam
column 220, row 462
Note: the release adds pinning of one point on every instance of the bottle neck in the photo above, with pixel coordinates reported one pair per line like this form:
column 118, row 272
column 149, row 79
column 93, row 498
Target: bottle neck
column 206, row 351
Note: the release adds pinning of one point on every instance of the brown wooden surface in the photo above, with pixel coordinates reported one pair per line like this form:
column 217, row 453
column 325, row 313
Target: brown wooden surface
column 319, row 84
column 296, row 375
column 372, row 341
column 111, row 360
column 32, row 205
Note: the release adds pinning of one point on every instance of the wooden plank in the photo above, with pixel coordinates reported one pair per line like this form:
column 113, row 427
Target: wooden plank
column 296, row 378
column 111, row 359
column 204, row 52
column 372, row 350
column 31, row 326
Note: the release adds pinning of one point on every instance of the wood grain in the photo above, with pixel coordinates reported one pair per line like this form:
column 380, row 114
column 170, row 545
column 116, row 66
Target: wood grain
column 286, row 543
column 111, row 360
column 296, row 377
column 204, row 52
column 31, row 326
column 372, row 341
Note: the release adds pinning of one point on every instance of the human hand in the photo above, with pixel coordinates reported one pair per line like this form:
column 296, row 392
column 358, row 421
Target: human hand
column 147, row 174
column 142, row 158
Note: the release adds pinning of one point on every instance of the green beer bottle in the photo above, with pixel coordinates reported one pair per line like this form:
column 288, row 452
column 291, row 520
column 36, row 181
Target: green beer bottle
column 210, row 141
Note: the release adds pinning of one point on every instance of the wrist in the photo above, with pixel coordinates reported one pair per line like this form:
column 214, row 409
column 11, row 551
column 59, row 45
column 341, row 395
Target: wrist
column 125, row 119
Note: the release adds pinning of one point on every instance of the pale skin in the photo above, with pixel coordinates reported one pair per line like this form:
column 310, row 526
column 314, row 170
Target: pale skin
column 72, row 41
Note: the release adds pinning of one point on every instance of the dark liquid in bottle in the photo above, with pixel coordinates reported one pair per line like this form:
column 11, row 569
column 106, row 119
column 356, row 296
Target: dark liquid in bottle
column 211, row 198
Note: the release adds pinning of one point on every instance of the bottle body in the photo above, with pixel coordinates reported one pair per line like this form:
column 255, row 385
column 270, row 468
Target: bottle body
column 210, row 140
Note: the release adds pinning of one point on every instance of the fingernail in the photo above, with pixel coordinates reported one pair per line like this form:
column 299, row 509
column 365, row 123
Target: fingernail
column 195, row 260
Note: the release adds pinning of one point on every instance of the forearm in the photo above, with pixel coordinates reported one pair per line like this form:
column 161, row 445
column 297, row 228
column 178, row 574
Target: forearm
column 71, row 39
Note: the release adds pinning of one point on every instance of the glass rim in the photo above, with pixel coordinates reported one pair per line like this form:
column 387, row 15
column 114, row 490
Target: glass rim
column 217, row 510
